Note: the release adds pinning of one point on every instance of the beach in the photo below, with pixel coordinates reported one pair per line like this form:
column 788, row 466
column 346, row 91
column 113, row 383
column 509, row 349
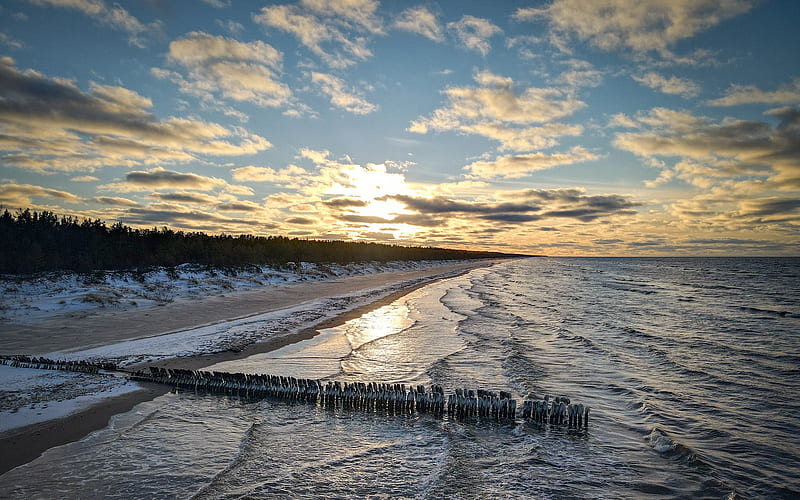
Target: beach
column 99, row 328
column 677, row 359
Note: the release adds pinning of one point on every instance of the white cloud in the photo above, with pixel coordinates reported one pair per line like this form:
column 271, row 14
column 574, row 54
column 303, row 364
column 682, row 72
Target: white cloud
column 236, row 70
column 496, row 111
column 749, row 94
column 422, row 21
column 114, row 16
column 341, row 96
column 336, row 30
column 474, row 33
column 672, row 85
column 218, row 4
column 84, row 178
column 639, row 26
column 359, row 14
column 288, row 175
column 10, row 42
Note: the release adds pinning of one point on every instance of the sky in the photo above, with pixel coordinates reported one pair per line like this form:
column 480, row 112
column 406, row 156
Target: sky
column 563, row 127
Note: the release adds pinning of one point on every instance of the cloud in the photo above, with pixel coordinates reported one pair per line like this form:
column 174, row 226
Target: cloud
column 115, row 201
column 240, row 206
column 441, row 205
column 515, row 166
column 737, row 95
column 52, row 125
column 160, row 178
column 496, row 111
column 422, row 21
column 288, row 175
column 114, row 16
column 218, row 4
column 179, row 217
column 575, row 203
column 527, row 206
column 341, row 203
column 183, row 197
column 20, row 195
column 236, row 70
column 410, row 219
column 673, row 85
column 333, row 30
column 301, row 221
column 358, row 14
column 633, row 25
column 341, row 97
column 10, row 42
column 474, row 33
column 84, row 178
column 738, row 166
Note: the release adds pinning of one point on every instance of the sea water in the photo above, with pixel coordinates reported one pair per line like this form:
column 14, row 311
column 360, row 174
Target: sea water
column 691, row 367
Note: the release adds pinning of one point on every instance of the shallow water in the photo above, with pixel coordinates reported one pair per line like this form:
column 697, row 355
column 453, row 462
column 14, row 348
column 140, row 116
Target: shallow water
column 690, row 367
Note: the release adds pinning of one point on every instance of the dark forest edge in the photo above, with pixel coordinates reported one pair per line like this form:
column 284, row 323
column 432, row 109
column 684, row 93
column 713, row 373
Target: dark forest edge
column 32, row 242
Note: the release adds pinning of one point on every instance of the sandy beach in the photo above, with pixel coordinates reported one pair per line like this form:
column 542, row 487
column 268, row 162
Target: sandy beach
column 105, row 327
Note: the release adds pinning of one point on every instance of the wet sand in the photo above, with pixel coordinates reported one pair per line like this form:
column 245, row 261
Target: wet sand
column 25, row 444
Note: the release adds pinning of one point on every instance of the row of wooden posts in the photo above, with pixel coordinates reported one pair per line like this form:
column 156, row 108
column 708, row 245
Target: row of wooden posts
column 373, row 396
column 42, row 363
column 363, row 396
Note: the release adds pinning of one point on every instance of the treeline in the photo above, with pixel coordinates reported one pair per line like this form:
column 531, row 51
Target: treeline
column 42, row 241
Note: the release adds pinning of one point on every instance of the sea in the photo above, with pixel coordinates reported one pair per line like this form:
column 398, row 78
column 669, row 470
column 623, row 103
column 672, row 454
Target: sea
column 691, row 367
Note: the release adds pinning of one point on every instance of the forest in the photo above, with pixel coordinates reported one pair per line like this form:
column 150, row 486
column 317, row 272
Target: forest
column 32, row 242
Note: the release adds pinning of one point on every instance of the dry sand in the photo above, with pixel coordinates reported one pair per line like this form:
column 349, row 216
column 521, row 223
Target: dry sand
column 20, row 446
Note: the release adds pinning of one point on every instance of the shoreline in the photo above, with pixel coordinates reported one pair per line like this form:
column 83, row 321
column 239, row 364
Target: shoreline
column 25, row 444
column 69, row 333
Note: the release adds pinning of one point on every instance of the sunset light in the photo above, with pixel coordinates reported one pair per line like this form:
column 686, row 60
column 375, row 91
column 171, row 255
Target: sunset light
column 546, row 127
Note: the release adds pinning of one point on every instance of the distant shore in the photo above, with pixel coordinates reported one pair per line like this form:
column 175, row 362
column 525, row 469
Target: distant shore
column 25, row 444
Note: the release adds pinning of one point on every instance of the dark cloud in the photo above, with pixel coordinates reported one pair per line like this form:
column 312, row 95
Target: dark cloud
column 442, row 205
column 570, row 203
column 183, row 197
column 377, row 236
column 300, row 220
column 178, row 219
column 412, row 219
column 726, row 241
column 240, row 206
column 114, row 201
column 51, row 124
column 159, row 177
column 771, row 206
column 648, row 243
column 511, row 217
column 340, row 203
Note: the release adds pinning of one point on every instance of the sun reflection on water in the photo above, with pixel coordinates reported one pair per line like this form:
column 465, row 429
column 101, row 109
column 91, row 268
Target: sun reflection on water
column 376, row 324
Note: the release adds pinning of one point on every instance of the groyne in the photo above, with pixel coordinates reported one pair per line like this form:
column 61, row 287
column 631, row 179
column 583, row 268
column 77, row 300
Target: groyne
column 461, row 404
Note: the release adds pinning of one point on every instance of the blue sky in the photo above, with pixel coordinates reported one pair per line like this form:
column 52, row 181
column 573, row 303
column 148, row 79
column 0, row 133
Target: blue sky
column 565, row 127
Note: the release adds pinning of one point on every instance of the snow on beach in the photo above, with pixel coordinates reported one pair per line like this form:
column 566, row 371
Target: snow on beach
column 28, row 396
column 27, row 299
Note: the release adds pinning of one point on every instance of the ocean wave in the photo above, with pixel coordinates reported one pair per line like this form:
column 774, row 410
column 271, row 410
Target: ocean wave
column 770, row 312
column 668, row 447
